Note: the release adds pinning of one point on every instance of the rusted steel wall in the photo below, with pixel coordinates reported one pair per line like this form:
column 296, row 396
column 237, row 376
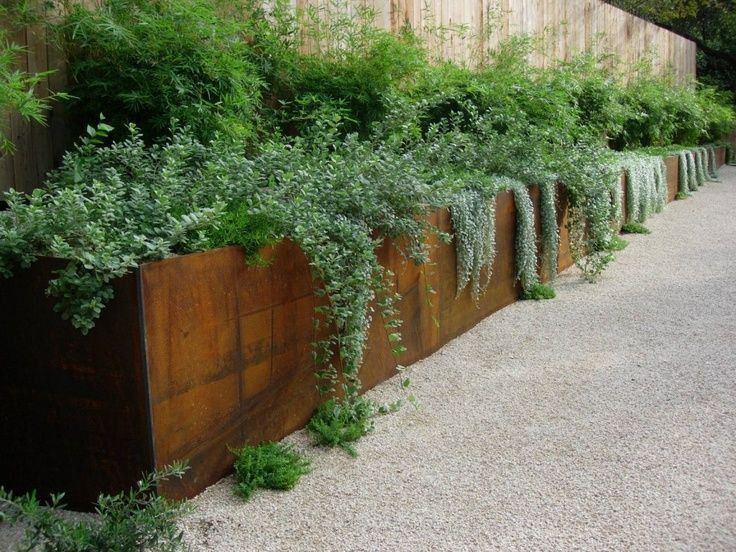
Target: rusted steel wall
column 73, row 409
column 201, row 352
column 673, row 176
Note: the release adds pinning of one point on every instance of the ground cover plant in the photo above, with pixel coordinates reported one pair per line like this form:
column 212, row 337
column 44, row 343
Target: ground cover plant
column 269, row 466
column 635, row 228
column 220, row 130
column 131, row 521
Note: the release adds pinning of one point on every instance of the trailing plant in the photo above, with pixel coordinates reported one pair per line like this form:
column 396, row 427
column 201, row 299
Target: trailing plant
column 591, row 177
column 700, row 172
column 712, row 163
column 646, row 186
column 635, row 228
column 269, row 466
column 525, row 242
column 131, row 521
column 550, row 232
column 690, row 172
column 474, row 228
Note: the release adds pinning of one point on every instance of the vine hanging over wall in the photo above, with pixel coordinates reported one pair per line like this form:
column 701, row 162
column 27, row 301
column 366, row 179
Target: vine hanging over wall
column 712, row 162
column 646, row 186
column 550, row 231
column 525, row 242
column 473, row 213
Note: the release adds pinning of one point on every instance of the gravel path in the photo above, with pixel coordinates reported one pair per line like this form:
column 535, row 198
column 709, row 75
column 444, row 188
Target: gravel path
column 604, row 419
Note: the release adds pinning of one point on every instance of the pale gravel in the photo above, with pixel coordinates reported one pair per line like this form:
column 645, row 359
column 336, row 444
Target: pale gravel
column 602, row 420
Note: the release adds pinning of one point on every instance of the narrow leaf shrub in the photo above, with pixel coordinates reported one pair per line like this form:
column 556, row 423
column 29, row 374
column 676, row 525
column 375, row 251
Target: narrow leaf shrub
column 159, row 63
column 635, row 228
column 538, row 292
column 127, row 522
column 18, row 87
column 269, row 466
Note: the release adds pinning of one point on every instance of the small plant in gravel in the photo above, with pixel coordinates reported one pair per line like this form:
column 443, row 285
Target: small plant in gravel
column 269, row 466
column 339, row 423
column 538, row 292
column 635, row 228
column 131, row 521
column 617, row 243
column 681, row 195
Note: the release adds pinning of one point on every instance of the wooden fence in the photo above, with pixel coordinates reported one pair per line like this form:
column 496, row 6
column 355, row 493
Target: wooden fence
column 453, row 29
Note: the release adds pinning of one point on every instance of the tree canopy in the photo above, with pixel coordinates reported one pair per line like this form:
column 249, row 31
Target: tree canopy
column 711, row 24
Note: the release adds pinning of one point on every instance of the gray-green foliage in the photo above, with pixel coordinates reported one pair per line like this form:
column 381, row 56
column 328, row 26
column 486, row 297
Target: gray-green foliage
column 131, row 521
column 712, row 162
column 550, row 231
column 107, row 210
column 526, row 239
column 700, row 170
column 697, row 166
column 688, row 178
column 474, row 229
column 692, row 176
column 646, row 185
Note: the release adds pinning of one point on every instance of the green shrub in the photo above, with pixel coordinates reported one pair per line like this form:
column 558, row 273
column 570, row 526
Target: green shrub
column 354, row 72
column 538, row 292
column 127, row 522
column 268, row 466
column 635, row 228
column 339, row 423
column 617, row 243
column 239, row 226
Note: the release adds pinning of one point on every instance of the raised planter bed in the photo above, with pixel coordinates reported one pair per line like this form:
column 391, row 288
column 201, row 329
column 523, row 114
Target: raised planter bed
column 199, row 352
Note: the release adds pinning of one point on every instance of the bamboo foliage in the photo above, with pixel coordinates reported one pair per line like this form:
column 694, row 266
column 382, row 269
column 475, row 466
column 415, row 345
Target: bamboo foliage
column 460, row 30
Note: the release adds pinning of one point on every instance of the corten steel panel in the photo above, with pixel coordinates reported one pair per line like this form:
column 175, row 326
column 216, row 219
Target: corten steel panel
column 720, row 156
column 673, row 174
column 229, row 351
column 73, row 413
column 564, row 259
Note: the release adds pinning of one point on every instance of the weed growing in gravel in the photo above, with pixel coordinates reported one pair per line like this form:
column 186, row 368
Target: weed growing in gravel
column 131, row 521
column 269, row 466
column 538, row 292
column 635, row 228
column 617, row 243
column 338, row 423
